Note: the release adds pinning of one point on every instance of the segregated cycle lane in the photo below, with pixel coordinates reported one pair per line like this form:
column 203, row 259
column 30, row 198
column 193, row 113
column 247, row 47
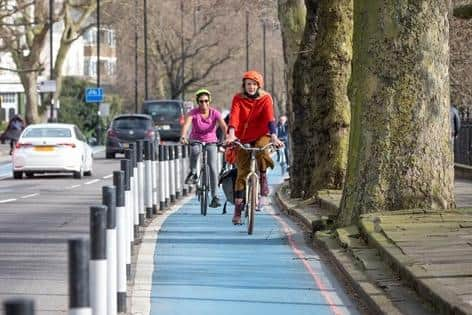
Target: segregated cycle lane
column 205, row 265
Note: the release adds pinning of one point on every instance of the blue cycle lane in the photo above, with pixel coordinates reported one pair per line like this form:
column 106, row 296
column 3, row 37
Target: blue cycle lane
column 205, row 265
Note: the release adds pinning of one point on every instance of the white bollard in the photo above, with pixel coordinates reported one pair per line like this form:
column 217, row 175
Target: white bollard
column 128, row 228
column 147, row 180
column 172, row 174
column 178, row 185
column 166, row 175
column 154, row 162
column 98, row 260
column 118, row 181
column 79, row 277
column 162, row 188
column 109, row 200
column 139, row 159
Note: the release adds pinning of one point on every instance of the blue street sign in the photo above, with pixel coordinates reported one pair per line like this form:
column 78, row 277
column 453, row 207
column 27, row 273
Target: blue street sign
column 94, row 95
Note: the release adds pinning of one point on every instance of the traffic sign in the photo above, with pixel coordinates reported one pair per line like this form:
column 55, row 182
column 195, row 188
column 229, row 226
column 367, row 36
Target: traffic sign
column 47, row 86
column 94, row 95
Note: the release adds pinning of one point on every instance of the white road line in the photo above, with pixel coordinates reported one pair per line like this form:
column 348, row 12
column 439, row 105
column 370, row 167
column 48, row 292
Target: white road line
column 7, row 200
column 108, row 176
column 92, row 181
column 74, row 186
column 29, row 196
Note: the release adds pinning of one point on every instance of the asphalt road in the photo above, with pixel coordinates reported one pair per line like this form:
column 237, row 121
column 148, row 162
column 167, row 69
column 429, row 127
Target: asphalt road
column 37, row 217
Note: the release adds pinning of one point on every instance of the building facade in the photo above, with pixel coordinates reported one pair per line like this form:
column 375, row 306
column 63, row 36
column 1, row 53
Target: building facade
column 81, row 61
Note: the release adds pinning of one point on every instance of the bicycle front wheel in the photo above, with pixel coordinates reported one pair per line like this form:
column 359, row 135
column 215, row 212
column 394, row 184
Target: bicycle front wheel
column 204, row 192
column 252, row 204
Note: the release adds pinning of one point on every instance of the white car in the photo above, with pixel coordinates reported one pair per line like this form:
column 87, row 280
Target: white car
column 52, row 148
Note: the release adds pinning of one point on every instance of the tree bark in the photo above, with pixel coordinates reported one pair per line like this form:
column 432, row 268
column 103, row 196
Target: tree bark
column 292, row 14
column 301, row 98
column 400, row 148
column 29, row 80
column 329, row 108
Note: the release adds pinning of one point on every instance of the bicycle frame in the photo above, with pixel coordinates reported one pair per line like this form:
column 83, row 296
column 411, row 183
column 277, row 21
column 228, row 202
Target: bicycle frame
column 252, row 179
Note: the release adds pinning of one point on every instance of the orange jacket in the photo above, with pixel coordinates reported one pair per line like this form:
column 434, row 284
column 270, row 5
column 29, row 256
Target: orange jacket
column 250, row 117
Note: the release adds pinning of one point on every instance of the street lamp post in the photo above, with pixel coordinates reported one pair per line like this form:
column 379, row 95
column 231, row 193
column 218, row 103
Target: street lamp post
column 51, row 67
column 146, row 90
column 247, row 40
column 98, row 127
column 264, row 46
column 136, row 57
column 182, row 48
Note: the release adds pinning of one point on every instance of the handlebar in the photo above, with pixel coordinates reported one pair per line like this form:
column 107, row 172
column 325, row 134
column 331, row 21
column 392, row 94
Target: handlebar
column 247, row 147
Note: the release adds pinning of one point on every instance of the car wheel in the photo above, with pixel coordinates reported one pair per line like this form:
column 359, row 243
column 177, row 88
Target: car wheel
column 110, row 155
column 79, row 174
column 29, row 174
column 17, row 175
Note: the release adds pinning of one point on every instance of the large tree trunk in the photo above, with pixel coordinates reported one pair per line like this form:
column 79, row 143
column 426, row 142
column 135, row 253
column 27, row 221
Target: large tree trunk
column 320, row 94
column 29, row 80
column 292, row 14
column 303, row 83
column 329, row 118
column 400, row 151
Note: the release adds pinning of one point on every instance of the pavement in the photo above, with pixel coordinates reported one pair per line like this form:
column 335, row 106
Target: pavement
column 403, row 262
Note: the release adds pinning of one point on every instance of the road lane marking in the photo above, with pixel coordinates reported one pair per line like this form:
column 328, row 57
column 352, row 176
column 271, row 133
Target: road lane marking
column 7, row 200
column 74, row 186
column 29, row 196
column 317, row 278
column 92, row 181
column 108, row 176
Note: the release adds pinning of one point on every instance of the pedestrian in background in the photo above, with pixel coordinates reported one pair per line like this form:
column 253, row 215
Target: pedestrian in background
column 282, row 134
column 13, row 131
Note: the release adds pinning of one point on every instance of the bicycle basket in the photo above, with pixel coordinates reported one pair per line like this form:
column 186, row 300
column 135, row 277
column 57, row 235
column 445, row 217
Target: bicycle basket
column 227, row 180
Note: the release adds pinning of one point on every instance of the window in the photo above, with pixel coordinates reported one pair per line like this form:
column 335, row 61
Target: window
column 9, row 98
column 48, row 133
column 90, row 37
column 90, row 67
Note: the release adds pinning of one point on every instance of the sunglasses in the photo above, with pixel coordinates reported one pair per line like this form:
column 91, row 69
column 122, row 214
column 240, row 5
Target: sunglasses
column 203, row 101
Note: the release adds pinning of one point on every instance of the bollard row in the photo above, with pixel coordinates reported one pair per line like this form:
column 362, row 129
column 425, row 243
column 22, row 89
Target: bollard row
column 150, row 180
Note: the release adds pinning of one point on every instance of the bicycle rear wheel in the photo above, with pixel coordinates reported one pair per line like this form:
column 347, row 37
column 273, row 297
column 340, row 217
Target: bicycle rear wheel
column 252, row 204
column 204, row 192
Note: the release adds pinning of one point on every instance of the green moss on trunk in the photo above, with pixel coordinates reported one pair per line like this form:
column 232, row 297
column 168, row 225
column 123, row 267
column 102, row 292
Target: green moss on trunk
column 323, row 113
column 399, row 153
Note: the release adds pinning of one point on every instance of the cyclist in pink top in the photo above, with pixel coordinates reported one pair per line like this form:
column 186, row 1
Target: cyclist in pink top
column 204, row 121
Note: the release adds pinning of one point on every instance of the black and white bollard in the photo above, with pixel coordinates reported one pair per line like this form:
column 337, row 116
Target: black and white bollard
column 109, row 200
column 166, row 175
column 154, row 162
column 184, row 170
column 119, row 182
column 162, row 188
column 172, row 174
column 147, row 179
column 126, row 168
column 79, row 277
column 140, row 162
column 178, row 185
column 134, row 192
column 19, row 307
column 98, row 259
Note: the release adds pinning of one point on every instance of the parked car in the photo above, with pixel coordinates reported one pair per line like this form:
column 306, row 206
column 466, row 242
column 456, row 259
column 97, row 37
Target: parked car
column 168, row 117
column 52, row 148
column 128, row 128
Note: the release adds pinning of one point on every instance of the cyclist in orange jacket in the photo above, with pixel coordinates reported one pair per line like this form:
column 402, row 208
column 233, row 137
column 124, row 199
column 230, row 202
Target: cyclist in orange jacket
column 252, row 121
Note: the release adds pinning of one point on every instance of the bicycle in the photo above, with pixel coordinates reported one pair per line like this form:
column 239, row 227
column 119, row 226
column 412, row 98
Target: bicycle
column 252, row 188
column 203, row 185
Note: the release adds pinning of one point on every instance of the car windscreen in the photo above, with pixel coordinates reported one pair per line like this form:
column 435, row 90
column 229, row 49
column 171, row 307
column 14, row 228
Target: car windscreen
column 131, row 123
column 47, row 133
column 166, row 110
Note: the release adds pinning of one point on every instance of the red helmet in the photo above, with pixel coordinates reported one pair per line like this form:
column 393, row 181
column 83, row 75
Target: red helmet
column 254, row 75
